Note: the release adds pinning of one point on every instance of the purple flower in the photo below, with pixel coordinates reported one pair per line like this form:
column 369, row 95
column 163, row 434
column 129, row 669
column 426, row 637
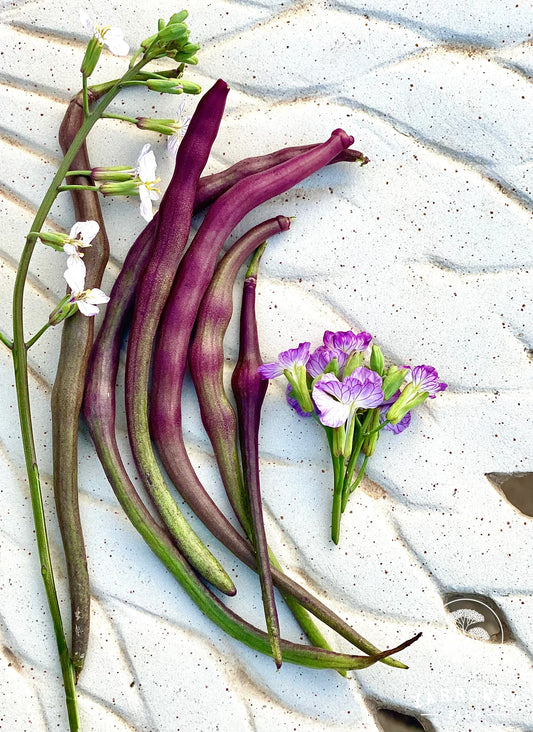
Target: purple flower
column 425, row 378
column 287, row 361
column 337, row 400
column 320, row 359
column 295, row 404
column 403, row 424
column 346, row 341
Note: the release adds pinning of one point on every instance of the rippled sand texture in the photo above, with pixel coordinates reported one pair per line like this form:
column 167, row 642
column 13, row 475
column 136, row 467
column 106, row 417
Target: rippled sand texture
column 428, row 248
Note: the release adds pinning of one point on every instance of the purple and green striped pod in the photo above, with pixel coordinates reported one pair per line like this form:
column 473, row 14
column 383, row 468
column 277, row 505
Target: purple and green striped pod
column 173, row 228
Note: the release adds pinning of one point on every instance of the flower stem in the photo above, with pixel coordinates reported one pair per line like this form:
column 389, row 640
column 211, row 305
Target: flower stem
column 360, row 475
column 20, row 365
column 86, row 173
column 36, row 337
column 122, row 117
column 60, row 189
column 6, row 341
column 85, row 97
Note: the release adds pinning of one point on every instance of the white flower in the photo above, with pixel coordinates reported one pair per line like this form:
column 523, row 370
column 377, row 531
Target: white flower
column 87, row 300
column 146, row 166
column 113, row 38
column 80, row 237
column 180, row 127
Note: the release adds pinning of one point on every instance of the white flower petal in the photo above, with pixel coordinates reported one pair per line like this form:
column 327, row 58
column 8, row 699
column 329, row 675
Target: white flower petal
column 75, row 278
column 76, row 263
column 146, row 165
column 69, row 249
column 173, row 143
column 86, row 21
column 85, row 231
column 114, row 40
column 95, row 296
column 88, row 309
column 146, row 204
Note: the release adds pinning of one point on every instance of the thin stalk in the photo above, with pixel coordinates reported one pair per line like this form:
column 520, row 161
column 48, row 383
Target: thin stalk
column 77, row 187
column 122, row 117
column 6, row 340
column 336, row 512
column 20, row 365
column 36, row 337
column 85, row 97
column 85, row 173
column 355, row 484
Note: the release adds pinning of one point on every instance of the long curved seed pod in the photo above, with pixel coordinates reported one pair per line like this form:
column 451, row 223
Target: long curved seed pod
column 99, row 408
column 249, row 391
column 173, row 228
column 212, row 186
column 67, row 393
column 206, row 361
column 170, row 356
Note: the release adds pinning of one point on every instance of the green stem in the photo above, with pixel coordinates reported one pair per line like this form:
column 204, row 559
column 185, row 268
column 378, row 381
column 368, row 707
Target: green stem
column 60, row 189
column 338, row 473
column 86, row 173
column 6, row 341
column 20, row 365
column 85, row 97
column 122, row 117
column 360, row 476
column 373, row 432
column 36, row 337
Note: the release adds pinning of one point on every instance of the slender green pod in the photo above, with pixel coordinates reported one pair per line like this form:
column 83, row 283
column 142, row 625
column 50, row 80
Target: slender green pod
column 249, row 390
column 173, row 228
column 67, row 394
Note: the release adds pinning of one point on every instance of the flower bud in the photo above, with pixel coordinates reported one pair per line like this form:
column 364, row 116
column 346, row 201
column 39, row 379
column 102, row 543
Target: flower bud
column 377, row 362
column 163, row 126
column 186, row 59
column 173, row 32
column 190, row 87
column 165, row 86
column 64, row 309
column 178, row 17
column 369, row 443
column 92, row 55
column 120, row 188
column 118, row 173
column 56, row 241
column 393, row 380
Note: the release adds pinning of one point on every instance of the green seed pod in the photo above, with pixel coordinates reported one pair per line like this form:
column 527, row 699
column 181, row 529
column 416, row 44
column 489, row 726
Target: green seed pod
column 92, row 54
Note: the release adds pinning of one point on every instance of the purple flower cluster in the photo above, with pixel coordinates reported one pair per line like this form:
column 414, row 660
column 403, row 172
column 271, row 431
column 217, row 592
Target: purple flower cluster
column 340, row 385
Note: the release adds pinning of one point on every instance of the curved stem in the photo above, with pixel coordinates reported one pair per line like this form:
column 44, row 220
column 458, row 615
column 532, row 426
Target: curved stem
column 36, row 337
column 121, row 117
column 6, row 340
column 20, row 365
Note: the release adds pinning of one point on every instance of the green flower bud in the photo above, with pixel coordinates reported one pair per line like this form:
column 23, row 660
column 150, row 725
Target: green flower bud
column 163, row 126
column 120, row 188
column 369, row 443
column 377, row 362
column 165, row 86
column 160, row 24
column 92, row 54
column 64, row 309
column 355, row 360
column 174, row 32
column 393, row 380
column 178, row 17
column 56, row 241
column 118, row 173
column 184, row 58
column 190, row 87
